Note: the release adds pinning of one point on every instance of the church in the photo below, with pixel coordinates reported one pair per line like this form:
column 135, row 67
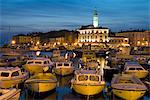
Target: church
column 93, row 34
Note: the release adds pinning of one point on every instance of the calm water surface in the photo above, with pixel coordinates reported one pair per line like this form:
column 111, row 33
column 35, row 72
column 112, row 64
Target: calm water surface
column 64, row 91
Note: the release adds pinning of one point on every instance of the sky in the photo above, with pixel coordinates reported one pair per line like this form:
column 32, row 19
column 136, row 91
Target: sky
column 24, row 16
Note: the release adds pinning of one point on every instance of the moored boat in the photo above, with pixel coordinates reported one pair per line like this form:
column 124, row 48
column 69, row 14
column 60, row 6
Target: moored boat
column 38, row 65
column 10, row 94
column 56, row 56
column 92, row 65
column 128, row 87
column 4, row 62
column 11, row 76
column 11, row 55
column 17, row 62
column 89, row 56
column 88, row 82
column 42, row 82
column 63, row 68
column 135, row 69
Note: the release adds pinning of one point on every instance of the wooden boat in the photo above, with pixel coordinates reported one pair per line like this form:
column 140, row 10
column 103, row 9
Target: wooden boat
column 10, row 94
column 42, row 82
column 135, row 69
column 87, row 82
column 11, row 76
column 128, row 87
column 38, row 65
column 63, row 68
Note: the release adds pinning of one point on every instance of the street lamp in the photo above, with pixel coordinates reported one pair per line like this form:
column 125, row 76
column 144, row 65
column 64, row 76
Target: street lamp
column 58, row 43
column 37, row 42
column 13, row 42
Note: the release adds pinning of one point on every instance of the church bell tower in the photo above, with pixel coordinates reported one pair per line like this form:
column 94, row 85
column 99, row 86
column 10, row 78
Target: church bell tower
column 95, row 19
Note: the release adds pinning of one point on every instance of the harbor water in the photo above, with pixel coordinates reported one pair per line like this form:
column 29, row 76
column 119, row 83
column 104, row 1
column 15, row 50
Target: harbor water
column 64, row 90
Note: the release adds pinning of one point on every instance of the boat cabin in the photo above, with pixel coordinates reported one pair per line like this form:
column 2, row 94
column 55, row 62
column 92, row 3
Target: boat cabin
column 8, row 72
column 89, row 56
column 56, row 53
column 63, row 64
column 133, row 66
column 90, row 76
column 39, row 61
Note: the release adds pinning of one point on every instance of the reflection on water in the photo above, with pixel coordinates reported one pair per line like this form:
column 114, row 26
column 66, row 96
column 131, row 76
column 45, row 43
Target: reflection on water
column 63, row 91
column 64, row 81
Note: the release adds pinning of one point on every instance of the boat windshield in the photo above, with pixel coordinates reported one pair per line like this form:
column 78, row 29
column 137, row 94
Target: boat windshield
column 46, row 62
column 59, row 64
column 66, row 64
column 83, row 78
column 15, row 74
column 94, row 78
column 4, row 74
column 30, row 62
column 131, row 68
column 38, row 62
column 139, row 68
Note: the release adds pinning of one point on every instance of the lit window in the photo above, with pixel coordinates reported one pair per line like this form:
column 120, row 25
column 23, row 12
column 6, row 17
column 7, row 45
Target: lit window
column 138, row 42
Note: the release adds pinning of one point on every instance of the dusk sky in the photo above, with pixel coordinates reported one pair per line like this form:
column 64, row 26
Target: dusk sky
column 44, row 15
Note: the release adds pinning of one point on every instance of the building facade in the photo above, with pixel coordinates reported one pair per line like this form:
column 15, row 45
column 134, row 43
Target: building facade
column 117, row 41
column 93, row 34
column 137, row 38
column 121, row 44
column 22, row 39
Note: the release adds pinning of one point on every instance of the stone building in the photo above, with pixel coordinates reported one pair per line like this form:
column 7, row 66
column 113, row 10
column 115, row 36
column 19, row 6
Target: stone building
column 93, row 34
column 137, row 38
